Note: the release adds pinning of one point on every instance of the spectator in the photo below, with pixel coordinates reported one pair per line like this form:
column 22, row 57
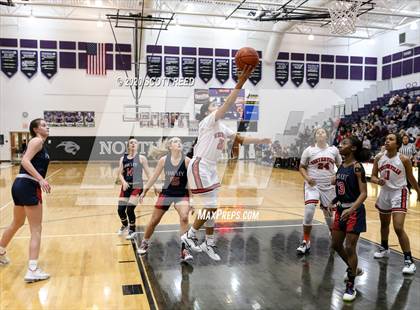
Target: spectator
column 366, row 143
column 408, row 149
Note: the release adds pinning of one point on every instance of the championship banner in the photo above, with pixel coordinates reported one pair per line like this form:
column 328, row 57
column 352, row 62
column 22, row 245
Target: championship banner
column 222, row 70
column 256, row 74
column 29, row 63
column 189, row 67
column 312, row 74
column 281, row 72
column 154, row 66
column 171, row 66
column 205, row 69
column 9, row 62
column 296, row 74
column 48, row 63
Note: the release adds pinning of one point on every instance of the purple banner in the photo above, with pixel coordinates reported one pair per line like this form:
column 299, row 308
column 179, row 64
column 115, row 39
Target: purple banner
column 154, row 66
column 396, row 69
column 281, row 72
column 296, row 73
column 222, row 69
column 371, row 60
column 172, row 50
column 9, row 62
column 312, row 74
column 386, row 72
column 327, row 71
column 408, row 53
column 220, row 52
column 234, row 71
column 67, row 60
column 327, row 58
column 28, row 63
column 202, row 51
column 356, row 73
column 8, row 42
column 28, row 43
column 189, row 67
column 171, row 66
column 154, row 49
column 370, row 73
column 298, row 56
column 283, row 56
column 205, row 69
column 192, row 51
column 48, row 63
column 407, row 66
column 67, row 45
column 48, row 44
column 123, row 61
column 312, row 57
column 341, row 72
column 256, row 75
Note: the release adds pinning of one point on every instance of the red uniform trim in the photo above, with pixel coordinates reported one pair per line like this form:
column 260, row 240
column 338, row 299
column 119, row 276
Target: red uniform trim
column 196, row 172
column 311, row 201
column 39, row 194
column 205, row 190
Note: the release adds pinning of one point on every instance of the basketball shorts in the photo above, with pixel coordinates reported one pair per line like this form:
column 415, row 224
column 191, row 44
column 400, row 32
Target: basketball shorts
column 392, row 200
column 355, row 223
column 132, row 190
column 164, row 201
column 26, row 191
column 202, row 176
column 313, row 195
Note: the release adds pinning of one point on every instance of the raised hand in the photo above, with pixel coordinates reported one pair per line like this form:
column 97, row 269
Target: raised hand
column 244, row 75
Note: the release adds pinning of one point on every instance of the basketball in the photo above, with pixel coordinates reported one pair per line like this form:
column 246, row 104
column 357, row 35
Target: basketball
column 246, row 56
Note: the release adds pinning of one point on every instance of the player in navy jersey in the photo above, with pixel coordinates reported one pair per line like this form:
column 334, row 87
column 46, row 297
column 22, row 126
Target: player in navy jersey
column 27, row 197
column 130, row 173
column 174, row 191
column 350, row 216
column 391, row 170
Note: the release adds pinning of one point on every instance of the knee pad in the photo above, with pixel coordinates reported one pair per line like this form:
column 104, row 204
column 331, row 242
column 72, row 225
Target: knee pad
column 309, row 214
column 122, row 206
column 130, row 212
column 209, row 223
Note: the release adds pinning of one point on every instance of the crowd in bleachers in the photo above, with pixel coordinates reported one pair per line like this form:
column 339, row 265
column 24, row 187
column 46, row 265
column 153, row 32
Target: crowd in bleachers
column 397, row 112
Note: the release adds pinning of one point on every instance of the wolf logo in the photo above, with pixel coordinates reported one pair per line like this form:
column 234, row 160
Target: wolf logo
column 69, row 147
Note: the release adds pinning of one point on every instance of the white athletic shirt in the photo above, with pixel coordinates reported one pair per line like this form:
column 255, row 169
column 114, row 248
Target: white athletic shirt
column 211, row 138
column 392, row 170
column 320, row 163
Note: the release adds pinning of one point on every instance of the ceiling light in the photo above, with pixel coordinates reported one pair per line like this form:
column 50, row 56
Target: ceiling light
column 311, row 37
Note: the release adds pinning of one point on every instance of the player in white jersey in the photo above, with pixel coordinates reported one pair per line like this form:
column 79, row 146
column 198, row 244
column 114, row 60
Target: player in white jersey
column 202, row 175
column 317, row 167
column 394, row 170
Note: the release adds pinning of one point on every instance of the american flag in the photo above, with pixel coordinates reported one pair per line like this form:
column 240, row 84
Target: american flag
column 96, row 59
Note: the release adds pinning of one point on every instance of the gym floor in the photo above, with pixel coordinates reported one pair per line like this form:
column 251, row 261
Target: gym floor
column 92, row 268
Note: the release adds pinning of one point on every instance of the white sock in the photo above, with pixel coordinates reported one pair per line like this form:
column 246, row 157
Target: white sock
column 210, row 239
column 192, row 231
column 2, row 251
column 146, row 241
column 33, row 264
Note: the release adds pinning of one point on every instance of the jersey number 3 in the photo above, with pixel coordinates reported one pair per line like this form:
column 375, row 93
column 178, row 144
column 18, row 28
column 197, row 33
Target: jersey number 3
column 341, row 188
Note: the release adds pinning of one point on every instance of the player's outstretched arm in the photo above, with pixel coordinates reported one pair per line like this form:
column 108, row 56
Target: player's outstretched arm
column 230, row 100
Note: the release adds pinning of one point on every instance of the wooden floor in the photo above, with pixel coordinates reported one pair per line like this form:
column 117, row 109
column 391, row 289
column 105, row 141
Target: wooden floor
column 89, row 263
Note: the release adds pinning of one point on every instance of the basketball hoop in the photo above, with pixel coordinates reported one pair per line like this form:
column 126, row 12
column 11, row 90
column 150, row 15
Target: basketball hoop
column 344, row 16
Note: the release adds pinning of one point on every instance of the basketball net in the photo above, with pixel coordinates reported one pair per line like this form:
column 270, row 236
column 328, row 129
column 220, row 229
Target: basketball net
column 344, row 16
